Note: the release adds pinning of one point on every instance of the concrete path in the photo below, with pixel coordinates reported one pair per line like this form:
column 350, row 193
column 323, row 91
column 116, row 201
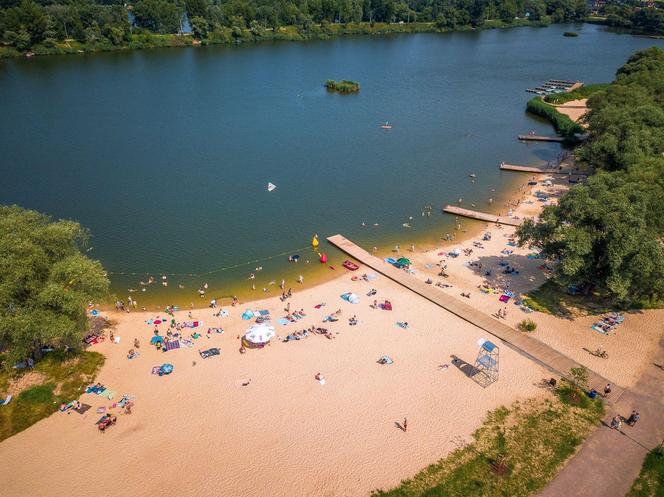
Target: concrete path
column 535, row 350
column 610, row 460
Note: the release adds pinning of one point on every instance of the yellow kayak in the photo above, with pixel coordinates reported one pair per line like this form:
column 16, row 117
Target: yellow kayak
column 314, row 241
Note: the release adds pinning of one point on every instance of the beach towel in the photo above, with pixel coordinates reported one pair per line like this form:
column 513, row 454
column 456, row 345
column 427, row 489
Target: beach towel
column 155, row 369
column 264, row 312
column 175, row 344
column 283, row 321
column 116, row 340
column 215, row 330
column 109, row 394
column 599, row 329
column 402, row 325
column 504, row 298
column 191, row 324
column 247, row 315
column 209, row 352
column 371, row 277
column 83, row 408
column 101, row 410
column 224, row 313
column 186, row 343
column 385, row 360
column 196, row 336
column 322, row 381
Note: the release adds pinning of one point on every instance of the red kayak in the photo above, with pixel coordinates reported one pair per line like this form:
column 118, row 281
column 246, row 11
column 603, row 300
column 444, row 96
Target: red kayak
column 351, row 266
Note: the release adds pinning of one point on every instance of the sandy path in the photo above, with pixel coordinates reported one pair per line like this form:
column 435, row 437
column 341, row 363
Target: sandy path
column 574, row 109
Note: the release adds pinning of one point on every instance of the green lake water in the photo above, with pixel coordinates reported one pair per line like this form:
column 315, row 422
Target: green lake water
column 165, row 154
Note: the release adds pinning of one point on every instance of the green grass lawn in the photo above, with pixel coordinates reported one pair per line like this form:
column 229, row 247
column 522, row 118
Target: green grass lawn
column 650, row 482
column 584, row 92
column 61, row 379
column 514, row 453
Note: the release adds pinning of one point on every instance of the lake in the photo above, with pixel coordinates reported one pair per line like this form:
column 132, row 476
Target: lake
column 165, row 154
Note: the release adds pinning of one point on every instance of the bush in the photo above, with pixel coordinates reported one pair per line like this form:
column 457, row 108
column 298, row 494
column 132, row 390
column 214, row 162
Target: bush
column 562, row 123
column 343, row 86
column 527, row 325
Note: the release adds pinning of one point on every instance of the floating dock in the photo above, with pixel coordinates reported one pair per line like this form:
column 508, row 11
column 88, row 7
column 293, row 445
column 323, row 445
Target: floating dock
column 541, row 138
column 481, row 216
column 555, row 86
column 538, row 170
column 528, row 347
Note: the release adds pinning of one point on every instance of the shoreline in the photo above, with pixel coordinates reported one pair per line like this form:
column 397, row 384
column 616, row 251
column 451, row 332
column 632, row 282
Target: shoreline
column 227, row 415
column 321, row 274
column 285, row 33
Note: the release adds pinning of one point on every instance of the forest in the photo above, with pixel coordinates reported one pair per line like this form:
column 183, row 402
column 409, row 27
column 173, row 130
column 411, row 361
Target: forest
column 607, row 234
column 58, row 26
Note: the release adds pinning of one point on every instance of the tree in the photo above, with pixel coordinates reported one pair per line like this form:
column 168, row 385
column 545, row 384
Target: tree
column 199, row 27
column 196, row 8
column 45, row 283
column 160, row 16
column 604, row 238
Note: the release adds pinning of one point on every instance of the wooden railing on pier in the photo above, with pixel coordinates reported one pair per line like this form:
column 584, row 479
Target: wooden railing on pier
column 481, row 216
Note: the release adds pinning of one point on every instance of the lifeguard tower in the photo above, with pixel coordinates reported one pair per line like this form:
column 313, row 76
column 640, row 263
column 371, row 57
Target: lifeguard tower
column 486, row 364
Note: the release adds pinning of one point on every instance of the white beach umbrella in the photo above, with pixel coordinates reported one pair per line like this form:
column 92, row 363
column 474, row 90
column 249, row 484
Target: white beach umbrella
column 259, row 333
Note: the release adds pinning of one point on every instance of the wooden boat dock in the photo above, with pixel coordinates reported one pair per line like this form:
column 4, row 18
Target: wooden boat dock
column 541, row 138
column 523, row 344
column 481, row 216
column 538, row 170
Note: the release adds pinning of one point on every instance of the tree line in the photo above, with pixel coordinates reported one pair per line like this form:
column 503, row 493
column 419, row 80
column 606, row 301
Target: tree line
column 44, row 24
column 607, row 235
column 632, row 15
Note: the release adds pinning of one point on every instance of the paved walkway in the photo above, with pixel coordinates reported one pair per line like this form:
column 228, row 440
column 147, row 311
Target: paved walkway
column 610, row 460
column 535, row 350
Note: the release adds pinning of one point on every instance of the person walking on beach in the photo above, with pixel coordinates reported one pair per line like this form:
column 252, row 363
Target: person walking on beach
column 633, row 418
column 616, row 423
column 607, row 390
column 405, row 424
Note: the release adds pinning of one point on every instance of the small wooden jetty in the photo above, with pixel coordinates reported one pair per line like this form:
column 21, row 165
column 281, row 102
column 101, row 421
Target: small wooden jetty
column 481, row 216
column 539, row 170
column 541, row 138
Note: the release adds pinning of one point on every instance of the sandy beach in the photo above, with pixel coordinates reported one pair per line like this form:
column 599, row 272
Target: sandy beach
column 260, row 424
column 574, row 109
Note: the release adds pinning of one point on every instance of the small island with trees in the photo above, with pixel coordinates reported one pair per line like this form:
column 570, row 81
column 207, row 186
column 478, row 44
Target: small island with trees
column 343, row 86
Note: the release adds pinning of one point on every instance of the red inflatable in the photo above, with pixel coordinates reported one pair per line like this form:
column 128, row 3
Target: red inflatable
column 323, row 258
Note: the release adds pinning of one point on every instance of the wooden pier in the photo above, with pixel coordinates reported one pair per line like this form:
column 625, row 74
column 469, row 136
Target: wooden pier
column 541, row 138
column 523, row 344
column 539, row 170
column 481, row 216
